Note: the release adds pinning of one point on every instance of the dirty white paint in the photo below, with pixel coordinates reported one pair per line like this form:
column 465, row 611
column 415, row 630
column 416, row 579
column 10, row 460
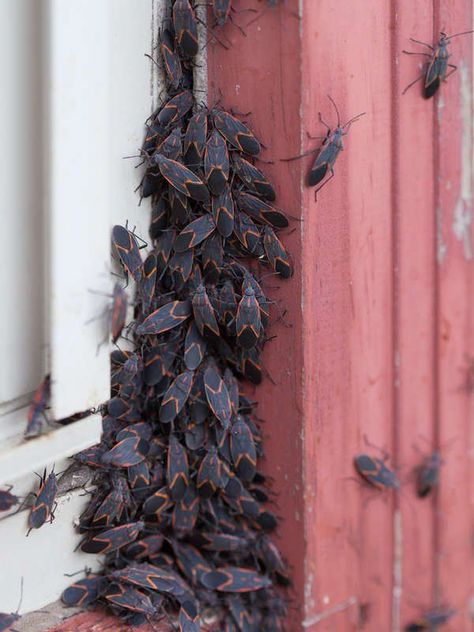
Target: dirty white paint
column 462, row 217
column 79, row 91
column 340, row 607
column 397, row 570
column 42, row 558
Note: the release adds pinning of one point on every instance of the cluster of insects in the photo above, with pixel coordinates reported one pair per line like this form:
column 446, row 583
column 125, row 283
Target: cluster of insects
column 181, row 509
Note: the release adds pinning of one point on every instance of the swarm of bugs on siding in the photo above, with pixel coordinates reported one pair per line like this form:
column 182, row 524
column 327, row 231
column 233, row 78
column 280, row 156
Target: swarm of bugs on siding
column 181, row 510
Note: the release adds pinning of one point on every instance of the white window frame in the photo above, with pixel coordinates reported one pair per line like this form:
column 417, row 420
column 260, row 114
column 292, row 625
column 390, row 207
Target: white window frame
column 76, row 73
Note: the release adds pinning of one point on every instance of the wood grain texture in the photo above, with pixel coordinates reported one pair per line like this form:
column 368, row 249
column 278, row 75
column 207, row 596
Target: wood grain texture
column 379, row 307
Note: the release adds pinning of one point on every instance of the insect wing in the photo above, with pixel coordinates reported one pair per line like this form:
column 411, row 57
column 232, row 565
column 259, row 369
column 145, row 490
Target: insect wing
column 204, row 315
column 209, row 475
column 171, row 59
column 236, row 133
column 248, row 321
column 195, row 140
column 243, row 450
column 221, row 10
column 235, row 579
column 194, row 348
column 177, row 469
column 182, row 179
column 276, row 254
column 223, row 212
column 127, row 249
column 185, row 27
column 84, row 592
column 176, row 396
column 253, row 178
column 194, row 233
column 148, row 281
column 112, row 539
column 158, row 502
column 248, row 234
column 185, row 512
column 166, row 317
column 261, row 211
column 217, row 396
column 175, row 109
column 216, row 163
column 126, row 453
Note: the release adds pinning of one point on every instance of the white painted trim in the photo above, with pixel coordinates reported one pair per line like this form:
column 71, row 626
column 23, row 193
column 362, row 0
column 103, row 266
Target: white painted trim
column 19, row 457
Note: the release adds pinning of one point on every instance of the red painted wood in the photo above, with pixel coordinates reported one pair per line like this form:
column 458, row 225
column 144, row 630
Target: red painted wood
column 378, row 314
column 261, row 73
column 369, row 351
column 453, row 128
column 414, row 304
column 348, row 279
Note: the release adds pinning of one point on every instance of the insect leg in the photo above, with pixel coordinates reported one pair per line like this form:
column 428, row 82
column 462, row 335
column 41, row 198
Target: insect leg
column 407, row 52
column 422, row 43
column 324, row 122
column 413, row 83
column 454, row 68
column 323, row 184
column 306, row 153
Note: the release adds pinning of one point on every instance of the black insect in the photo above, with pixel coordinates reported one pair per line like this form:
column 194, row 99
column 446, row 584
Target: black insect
column 45, row 501
column 126, row 246
column 185, row 27
column 7, row 499
column 113, row 539
column 436, row 70
column 331, row 147
column 427, row 475
column 37, row 407
column 171, row 60
column 431, row 619
column 375, row 472
column 85, row 591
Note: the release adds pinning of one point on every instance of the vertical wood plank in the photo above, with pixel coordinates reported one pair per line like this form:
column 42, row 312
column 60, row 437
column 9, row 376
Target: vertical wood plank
column 415, row 238
column 348, row 317
column 453, row 127
column 261, row 73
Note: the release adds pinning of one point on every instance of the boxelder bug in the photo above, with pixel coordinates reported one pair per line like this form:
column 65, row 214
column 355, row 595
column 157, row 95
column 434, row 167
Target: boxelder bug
column 217, row 396
column 164, row 318
column 113, row 539
column 431, row 619
column 437, row 67
column 8, row 618
column 7, row 499
column 332, row 146
column 248, row 320
column 375, row 472
column 235, row 579
column 85, row 591
column 126, row 246
column 235, row 132
column 427, row 475
column 44, row 503
column 185, row 27
column 36, row 410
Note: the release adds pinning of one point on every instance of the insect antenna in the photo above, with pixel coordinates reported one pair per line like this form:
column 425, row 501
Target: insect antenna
column 449, row 37
column 335, row 107
column 353, row 120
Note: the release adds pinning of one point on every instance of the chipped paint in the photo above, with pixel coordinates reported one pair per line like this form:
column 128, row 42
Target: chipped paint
column 441, row 247
column 397, row 570
column 345, row 605
column 462, row 217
